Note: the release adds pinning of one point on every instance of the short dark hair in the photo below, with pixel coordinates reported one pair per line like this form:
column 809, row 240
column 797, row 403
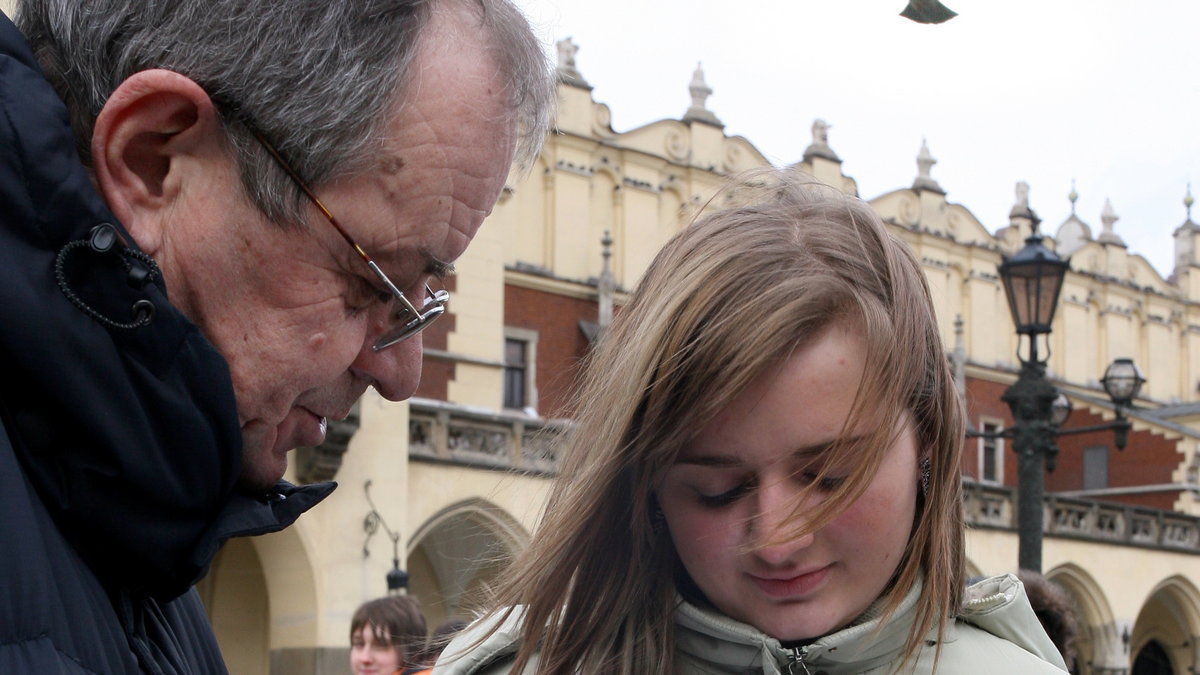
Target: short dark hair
column 395, row 619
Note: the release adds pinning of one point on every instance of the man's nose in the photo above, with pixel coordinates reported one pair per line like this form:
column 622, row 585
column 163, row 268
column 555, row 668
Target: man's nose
column 394, row 371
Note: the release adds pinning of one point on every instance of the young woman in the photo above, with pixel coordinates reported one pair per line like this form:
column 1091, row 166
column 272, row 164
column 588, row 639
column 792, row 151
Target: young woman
column 386, row 636
column 765, row 473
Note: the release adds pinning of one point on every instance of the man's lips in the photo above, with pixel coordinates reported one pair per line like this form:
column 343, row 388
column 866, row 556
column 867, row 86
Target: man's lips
column 310, row 431
column 791, row 585
column 329, row 414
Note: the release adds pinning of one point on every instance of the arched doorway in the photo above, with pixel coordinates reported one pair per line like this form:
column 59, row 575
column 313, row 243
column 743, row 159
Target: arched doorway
column 1098, row 647
column 457, row 554
column 234, row 593
column 1162, row 634
column 1152, row 659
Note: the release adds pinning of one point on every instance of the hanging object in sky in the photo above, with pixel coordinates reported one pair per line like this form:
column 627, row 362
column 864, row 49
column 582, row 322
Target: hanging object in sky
column 927, row 11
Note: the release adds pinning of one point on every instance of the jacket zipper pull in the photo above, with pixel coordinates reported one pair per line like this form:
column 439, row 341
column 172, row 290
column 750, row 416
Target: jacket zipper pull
column 796, row 657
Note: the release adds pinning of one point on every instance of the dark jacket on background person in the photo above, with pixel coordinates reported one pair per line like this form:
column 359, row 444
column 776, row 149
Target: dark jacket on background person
column 119, row 442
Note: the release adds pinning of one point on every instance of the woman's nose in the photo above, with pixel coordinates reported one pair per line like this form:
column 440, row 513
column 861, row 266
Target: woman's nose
column 779, row 515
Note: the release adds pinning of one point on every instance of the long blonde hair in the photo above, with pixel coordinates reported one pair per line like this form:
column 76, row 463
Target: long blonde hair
column 726, row 299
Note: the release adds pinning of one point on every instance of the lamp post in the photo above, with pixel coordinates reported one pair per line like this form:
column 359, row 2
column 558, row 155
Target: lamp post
column 1033, row 279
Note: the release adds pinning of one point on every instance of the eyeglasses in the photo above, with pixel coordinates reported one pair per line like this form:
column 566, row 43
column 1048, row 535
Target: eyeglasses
column 408, row 320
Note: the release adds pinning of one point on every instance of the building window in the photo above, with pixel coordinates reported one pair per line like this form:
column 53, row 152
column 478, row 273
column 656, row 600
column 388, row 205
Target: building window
column 991, row 453
column 1095, row 467
column 515, row 372
column 520, row 391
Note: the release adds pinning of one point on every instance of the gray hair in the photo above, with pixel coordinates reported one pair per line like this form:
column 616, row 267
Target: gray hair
column 316, row 77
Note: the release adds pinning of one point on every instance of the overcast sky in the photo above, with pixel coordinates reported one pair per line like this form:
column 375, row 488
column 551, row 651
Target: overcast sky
column 1045, row 91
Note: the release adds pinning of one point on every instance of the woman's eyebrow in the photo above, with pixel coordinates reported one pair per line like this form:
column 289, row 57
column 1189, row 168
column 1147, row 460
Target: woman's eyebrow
column 804, row 452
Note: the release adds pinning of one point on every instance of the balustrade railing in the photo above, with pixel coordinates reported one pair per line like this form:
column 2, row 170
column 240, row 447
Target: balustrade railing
column 994, row 506
column 512, row 441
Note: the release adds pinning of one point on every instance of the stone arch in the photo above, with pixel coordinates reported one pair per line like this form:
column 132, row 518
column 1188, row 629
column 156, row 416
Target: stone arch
column 261, row 597
column 1170, row 621
column 235, row 597
column 1099, row 646
column 456, row 554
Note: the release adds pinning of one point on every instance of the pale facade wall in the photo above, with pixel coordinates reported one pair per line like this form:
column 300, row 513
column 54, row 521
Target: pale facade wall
column 993, row 552
column 479, row 315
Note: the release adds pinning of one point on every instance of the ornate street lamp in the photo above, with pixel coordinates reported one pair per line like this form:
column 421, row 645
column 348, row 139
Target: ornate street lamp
column 1033, row 279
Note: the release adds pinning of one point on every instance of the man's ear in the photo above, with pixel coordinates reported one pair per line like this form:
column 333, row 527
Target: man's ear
column 143, row 143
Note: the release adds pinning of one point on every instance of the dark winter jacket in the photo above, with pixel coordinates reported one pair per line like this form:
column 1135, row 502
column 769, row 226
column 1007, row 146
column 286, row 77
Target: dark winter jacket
column 119, row 438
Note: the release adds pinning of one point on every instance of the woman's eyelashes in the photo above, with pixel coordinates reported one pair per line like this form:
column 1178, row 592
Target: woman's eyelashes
column 804, row 478
column 725, row 498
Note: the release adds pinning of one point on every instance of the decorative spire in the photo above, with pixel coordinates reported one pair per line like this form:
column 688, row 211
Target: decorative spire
column 700, row 91
column 1188, row 200
column 1109, row 218
column 607, row 285
column 1073, row 196
column 820, row 143
column 567, row 73
column 925, row 162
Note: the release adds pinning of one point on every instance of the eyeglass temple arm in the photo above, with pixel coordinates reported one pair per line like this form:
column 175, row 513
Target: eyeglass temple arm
column 324, row 211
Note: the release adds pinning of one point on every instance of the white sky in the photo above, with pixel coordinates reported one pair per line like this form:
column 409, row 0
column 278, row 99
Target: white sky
column 1045, row 91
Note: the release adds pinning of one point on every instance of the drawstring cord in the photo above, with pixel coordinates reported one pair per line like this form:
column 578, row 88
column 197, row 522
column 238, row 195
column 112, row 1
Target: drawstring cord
column 141, row 268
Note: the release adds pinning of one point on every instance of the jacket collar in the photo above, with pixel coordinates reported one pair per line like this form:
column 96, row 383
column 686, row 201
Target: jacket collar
column 721, row 644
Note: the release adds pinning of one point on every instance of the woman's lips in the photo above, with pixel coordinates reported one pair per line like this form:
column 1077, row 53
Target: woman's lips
column 791, row 587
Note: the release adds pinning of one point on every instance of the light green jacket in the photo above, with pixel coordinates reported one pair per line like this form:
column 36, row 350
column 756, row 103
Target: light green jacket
column 996, row 633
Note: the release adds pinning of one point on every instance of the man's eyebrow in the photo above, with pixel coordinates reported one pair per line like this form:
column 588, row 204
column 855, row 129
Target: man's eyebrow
column 436, row 267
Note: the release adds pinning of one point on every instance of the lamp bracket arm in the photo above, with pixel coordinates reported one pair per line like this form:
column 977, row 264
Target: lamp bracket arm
column 1003, row 433
column 373, row 521
column 1119, row 423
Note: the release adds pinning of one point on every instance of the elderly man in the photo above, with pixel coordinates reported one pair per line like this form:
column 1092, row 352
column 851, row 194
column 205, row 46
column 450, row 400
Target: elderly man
column 269, row 195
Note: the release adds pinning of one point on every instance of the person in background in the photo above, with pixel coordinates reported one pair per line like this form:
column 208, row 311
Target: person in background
column 442, row 635
column 387, row 636
column 221, row 221
column 1056, row 611
column 765, row 473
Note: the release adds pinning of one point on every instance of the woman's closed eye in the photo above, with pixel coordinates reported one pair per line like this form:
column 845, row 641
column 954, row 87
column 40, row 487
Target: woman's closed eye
column 826, row 484
column 716, row 501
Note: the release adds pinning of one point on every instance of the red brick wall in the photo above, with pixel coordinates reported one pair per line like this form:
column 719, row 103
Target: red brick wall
column 560, row 343
column 1148, row 458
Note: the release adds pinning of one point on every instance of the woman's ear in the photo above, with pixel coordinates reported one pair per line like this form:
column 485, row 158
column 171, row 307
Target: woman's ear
column 150, row 126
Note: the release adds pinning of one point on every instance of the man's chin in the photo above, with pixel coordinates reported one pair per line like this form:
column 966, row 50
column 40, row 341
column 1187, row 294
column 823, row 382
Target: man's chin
column 263, row 460
column 260, row 473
